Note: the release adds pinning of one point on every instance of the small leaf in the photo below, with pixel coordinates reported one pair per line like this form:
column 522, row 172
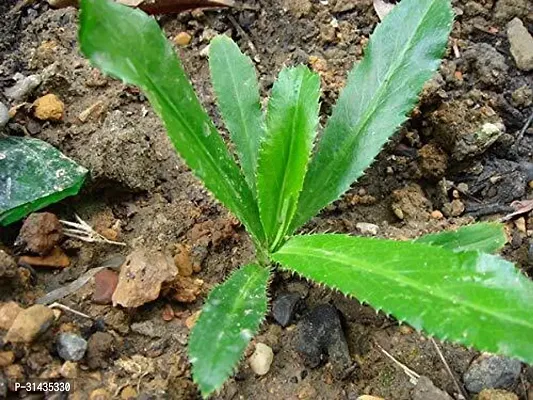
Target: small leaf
column 128, row 44
column 291, row 128
column 33, row 175
column 235, row 83
column 229, row 319
column 483, row 237
column 403, row 53
column 467, row 297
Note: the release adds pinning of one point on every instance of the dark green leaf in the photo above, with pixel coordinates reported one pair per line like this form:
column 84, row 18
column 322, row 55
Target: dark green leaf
column 467, row 297
column 229, row 319
column 484, row 237
column 403, row 53
column 291, row 127
column 128, row 44
column 33, row 175
column 235, row 83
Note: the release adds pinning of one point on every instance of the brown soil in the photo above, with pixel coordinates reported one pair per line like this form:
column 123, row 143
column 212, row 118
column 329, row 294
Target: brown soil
column 141, row 193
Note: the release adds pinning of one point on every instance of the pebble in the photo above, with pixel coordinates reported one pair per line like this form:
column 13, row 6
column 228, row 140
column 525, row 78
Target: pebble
column 69, row 370
column 261, row 359
column 521, row 44
column 4, row 115
column 319, row 334
column 23, row 87
column 491, row 372
column 49, row 108
column 284, row 308
column 29, row 324
column 368, row 397
column 367, row 229
column 100, row 394
column 453, row 209
column 425, row 389
column 40, row 234
column 71, row 347
column 496, row 394
column 8, row 266
column 105, row 283
column 149, row 328
column 437, row 214
column 6, row 358
column 128, row 393
column 183, row 39
column 100, row 350
column 8, row 314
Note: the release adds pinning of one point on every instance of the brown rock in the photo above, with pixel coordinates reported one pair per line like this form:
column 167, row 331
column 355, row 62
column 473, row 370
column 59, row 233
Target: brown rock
column 29, row 324
column 105, row 284
column 56, row 259
column 101, row 348
column 187, row 289
column 496, row 394
column 183, row 261
column 6, row 358
column 40, row 234
column 183, row 39
column 8, row 314
column 191, row 320
column 100, row 394
column 69, row 370
column 8, row 266
column 168, row 313
column 141, row 278
column 128, row 393
column 453, row 209
column 94, row 111
column 436, row 214
column 14, row 373
column 49, row 108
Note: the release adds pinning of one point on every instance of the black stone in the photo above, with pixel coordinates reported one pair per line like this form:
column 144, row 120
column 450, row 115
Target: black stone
column 285, row 307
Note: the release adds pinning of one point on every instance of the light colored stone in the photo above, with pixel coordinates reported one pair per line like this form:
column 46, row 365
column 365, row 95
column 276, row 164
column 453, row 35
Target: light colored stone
column 8, row 313
column 367, row 229
column 183, row 39
column 496, row 394
column 29, row 324
column 4, row 115
column 261, row 359
column 49, row 108
column 23, row 87
column 521, row 44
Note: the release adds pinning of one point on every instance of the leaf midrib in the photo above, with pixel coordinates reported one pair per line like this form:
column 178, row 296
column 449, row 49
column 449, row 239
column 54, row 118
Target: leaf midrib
column 363, row 265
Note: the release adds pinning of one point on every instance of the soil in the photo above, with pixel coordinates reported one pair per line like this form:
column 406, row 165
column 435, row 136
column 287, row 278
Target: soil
column 436, row 173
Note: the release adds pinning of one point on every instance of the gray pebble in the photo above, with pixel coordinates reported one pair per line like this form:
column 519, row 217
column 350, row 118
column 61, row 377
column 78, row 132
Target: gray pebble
column 23, row 87
column 71, row 347
column 284, row 308
column 4, row 115
column 491, row 372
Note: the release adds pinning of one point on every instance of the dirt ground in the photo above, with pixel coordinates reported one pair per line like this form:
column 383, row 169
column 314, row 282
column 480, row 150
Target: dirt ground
column 434, row 174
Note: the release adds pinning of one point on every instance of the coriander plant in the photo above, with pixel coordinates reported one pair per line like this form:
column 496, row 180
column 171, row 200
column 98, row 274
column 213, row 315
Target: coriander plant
column 446, row 284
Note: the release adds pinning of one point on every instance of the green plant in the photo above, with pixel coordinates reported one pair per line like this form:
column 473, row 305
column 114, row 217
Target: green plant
column 445, row 283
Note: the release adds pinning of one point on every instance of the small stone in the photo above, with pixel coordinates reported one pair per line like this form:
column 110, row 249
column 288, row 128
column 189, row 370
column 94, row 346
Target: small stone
column 319, row 334
column 94, row 111
column 425, row 389
column 183, row 39
column 298, row 8
column 6, row 358
column 8, row 314
column 367, row 229
column 368, row 397
column 40, row 234
column 149, row 328
column 183, row 261
column 62, row 3
column 521, row 44
column 496, row 394
column 105, row 283
column 8, row 266
column 491, row 372
column 522, row 97
column 56, row 259
column 187, row 289
column 284, row 308
column 23, row 87
column 29, row 324
column 520, row 224
column 49, row 108
column 261, row 359
column 437, row 214
column 100, row 350
column 453, row 209
column 69, row 370
column 488, row 63
column 128, row 393
column 71, row 347
column 100, row 394
column 4, row 115
column 191, row 320
column 168, row 313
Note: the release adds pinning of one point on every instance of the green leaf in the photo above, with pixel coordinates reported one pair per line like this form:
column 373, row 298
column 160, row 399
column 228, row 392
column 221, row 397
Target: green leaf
column 229, row 319
column 235, row 83
column 292, row 119
column 403, row 53
column 467, row 297
column 33, row 175
column 485, row 237
column 128, row 44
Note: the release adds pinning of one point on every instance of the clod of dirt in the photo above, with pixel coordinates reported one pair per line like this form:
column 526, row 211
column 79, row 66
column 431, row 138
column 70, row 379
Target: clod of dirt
column 496, row 394
column 101, row 348
column 56, row 259
column 23, row 87
column 39, row 234
column 71, row 347
column 491, row 372
column 285, row 307
column 141, row 278
column 410, row 203
column 186, row 289
column 522, row 97
column 425, row 389
column 4, row 115
column 8, row 314
column 6, row 358
column 320, row 334
column 505, row 10
column 261, row 359
column 29, row 324
column 100, row 394
column 465, row 131
column 183, row 261
column 183, row 39
column 105, row 283
column 49, row 108
column 69, row 370
column 521, row 44
column 8, row 266
column 488, row 64
column 453, row 209
column 298, row 8
column 433, row 161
